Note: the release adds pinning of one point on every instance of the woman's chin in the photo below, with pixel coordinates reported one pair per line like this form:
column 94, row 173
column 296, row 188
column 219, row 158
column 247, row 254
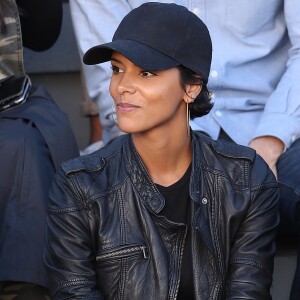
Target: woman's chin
column 128, row 128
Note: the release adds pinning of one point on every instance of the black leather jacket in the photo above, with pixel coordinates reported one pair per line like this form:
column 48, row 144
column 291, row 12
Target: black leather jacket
column 106, row 239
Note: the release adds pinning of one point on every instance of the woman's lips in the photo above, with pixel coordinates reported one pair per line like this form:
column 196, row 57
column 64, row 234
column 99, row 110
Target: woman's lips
column 125, row 107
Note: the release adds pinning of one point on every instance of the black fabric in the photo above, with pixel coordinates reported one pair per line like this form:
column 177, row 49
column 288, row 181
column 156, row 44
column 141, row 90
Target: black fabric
column 178, row 209
column 11, row 290
column 41, row 22
column 224, row 136
column 35, row 138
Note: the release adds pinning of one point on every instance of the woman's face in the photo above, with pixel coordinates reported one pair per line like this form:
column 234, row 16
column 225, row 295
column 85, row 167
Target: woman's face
column 145, row 100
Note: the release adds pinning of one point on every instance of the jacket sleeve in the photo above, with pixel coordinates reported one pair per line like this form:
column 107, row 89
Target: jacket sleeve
column 253, row 250
column 69, row 254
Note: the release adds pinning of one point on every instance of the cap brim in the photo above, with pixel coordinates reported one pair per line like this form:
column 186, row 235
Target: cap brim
column 140, row 54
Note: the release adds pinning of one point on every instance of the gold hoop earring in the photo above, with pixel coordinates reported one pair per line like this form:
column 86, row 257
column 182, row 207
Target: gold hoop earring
column 188, row 119
column 114, row 112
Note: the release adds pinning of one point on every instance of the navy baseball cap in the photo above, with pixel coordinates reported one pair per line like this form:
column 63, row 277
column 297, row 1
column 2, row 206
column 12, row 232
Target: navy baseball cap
column 159, row 36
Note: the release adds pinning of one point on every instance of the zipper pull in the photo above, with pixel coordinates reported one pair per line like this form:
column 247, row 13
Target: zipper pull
column 143, row 248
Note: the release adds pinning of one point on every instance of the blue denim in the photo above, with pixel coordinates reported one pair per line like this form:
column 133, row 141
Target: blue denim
column 288, row 169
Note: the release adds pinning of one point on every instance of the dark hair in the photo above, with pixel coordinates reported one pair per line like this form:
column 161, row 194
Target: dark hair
column 202, row 103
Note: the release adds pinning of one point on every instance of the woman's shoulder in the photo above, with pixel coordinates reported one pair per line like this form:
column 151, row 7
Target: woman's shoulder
column 239, row 163
column 85, row 176
column 97, row 160
column 225, row 148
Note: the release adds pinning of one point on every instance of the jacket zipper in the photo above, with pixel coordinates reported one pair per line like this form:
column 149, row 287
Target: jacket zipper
column 125, row 251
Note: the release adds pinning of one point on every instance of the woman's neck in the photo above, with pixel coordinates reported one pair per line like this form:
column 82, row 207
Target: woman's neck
column 166, row 156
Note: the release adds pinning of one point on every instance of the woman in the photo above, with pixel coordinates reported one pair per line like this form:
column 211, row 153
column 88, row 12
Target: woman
column 163, row 212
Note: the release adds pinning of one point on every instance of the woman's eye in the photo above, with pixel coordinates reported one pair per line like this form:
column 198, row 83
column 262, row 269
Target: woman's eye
column 147, row 74
column 116, row 70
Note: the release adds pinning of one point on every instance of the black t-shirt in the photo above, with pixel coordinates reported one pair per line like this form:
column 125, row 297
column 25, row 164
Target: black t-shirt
column 178, row 209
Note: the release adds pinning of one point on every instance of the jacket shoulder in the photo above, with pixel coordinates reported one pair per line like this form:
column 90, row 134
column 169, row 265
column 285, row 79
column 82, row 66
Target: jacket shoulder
column 227, row 149
column 239, row 163
column 95, row 161
column 232, row 150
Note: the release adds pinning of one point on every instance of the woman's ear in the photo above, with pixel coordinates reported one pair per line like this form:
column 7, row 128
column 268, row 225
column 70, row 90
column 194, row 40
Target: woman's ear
column 192, row 92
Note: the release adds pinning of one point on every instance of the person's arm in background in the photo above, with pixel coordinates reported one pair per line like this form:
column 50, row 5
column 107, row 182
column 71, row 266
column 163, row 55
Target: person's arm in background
column 41, row 23
column 94, row 23
column 279, row 125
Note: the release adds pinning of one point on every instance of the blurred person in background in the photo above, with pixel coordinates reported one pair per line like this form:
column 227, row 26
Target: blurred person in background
column 35, row 138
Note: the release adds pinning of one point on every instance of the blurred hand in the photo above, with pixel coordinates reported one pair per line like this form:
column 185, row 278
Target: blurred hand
column 269, row 148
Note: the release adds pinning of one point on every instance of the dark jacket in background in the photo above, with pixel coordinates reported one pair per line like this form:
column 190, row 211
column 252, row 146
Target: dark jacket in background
column 35, row 138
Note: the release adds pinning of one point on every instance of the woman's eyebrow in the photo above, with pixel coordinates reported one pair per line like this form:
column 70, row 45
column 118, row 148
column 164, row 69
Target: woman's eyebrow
column 116, row 60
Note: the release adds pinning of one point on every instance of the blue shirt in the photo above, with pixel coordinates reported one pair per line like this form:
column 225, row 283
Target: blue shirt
column 255, row 67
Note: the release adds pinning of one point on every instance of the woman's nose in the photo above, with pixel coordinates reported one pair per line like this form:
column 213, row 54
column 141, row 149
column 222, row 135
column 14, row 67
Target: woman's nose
column 126, row 84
